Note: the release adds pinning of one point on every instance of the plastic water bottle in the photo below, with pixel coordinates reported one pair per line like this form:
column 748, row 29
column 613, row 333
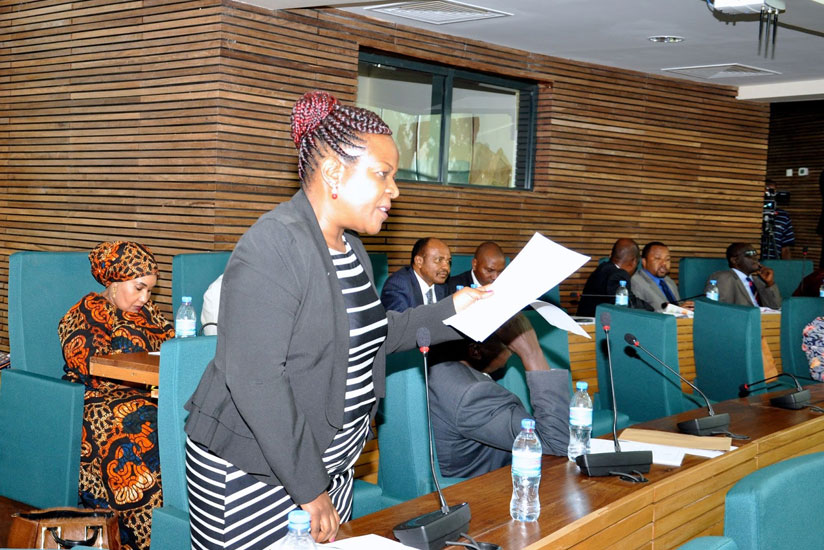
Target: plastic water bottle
column 580, row 421
column 821, row 291
column 622, row 294
column 526, row 474
column 298, row 537
column 185, row 320
column 712, row 291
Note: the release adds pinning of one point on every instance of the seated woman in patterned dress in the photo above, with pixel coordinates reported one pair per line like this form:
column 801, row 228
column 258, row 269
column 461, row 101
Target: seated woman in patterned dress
column 119, row 461
column 812, row 342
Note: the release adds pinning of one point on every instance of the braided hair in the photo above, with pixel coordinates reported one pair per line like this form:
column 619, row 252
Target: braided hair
column 318, row 119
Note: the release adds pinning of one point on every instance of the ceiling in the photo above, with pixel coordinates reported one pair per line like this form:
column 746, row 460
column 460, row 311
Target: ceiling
column 615, row 33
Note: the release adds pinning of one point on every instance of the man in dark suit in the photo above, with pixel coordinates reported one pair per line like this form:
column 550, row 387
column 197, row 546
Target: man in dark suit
column 423, row 281
column 475, row 419
column 747, row 282
column 487, row 264
column 602, row 284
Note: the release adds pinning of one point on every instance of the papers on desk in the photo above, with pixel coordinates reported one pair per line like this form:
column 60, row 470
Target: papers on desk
column 365, row 542
column 678, row 311
column 668, row 449
column 154, row 353
column 538, row 267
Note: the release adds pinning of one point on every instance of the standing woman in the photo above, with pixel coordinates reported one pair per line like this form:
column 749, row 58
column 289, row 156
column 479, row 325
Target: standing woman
column 119, row 462
column 282, row 412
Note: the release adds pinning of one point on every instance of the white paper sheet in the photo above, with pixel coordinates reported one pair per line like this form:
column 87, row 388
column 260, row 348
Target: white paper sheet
column 538, row 267
column 557, row 317
column 365, row 542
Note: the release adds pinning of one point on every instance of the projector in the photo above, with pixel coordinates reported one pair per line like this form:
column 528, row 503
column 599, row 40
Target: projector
column 738, row 7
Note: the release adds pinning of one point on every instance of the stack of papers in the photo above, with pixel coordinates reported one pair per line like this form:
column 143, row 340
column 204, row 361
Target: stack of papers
column 668, row 449
column 365, row 542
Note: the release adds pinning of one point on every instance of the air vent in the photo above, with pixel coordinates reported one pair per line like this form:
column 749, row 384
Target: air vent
column 724, row 70
column 438, row 12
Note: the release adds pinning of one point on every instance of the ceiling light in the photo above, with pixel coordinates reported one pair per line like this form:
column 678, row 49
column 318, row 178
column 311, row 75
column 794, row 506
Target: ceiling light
column 666, row 39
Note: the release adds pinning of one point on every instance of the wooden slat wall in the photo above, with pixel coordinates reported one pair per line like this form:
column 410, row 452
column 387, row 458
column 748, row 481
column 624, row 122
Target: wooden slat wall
column 797, row 140
column 167, row 122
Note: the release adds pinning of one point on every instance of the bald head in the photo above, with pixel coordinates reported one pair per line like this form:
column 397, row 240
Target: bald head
column 488, row 262
column 625, row 254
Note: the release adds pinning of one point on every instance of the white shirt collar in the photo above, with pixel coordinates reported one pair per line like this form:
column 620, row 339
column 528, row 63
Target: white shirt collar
column 746, row 284
column 424, row 287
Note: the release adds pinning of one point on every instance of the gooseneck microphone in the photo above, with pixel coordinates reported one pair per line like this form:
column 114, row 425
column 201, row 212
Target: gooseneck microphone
column 431, row 531
column 714, row 424
column 618, row 463
column 797, row 399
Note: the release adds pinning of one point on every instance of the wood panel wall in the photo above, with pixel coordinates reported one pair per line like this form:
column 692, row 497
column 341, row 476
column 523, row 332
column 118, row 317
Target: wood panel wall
column 167, row 122
column 797, row 140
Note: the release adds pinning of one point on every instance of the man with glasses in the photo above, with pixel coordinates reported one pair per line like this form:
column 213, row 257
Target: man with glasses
column 747, row 282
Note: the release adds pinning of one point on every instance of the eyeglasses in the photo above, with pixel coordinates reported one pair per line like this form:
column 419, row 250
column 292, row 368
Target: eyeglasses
column 750, row 253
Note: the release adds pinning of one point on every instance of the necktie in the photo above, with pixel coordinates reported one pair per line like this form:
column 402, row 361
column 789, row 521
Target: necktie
column 430, row 295
column 754, row 291
column 667, row 293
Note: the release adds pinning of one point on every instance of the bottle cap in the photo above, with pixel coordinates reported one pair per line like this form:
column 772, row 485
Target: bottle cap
column 185, row 299
column 458, row 287
column 712, row 281
column 581, row 385
column 528, row 424
column 299, row 518
column 622, row 283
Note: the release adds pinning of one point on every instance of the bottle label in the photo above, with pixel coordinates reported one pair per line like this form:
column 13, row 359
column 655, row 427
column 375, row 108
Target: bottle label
column 821, row 292
column 526, row 464
column 621, row 300
column 713, row 295
column 184, row 328
column 580, row 416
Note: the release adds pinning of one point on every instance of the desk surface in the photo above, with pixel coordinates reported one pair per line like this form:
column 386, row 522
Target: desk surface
column 602, row 513
column 141, row 367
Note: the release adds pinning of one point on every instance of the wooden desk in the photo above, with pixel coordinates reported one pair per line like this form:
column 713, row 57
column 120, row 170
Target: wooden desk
column 578, row 512
column 141, row 367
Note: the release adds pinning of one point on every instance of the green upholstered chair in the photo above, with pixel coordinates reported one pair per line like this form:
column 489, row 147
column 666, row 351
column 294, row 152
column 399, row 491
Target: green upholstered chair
column 192, row 273
column 403, row 461
column 644, row 390
column 796, row 313
column 182, row 362
column 788, row 273
column 380, row 269
column 710, row 543
column 461, row 263
column 693, row 274
column 778, row 507
column 726, row 341
column 40, row 450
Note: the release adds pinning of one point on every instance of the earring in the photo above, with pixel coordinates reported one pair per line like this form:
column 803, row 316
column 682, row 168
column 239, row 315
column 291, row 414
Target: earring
column 335, row 192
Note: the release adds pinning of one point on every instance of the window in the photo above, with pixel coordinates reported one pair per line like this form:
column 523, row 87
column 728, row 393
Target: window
column 452, row 126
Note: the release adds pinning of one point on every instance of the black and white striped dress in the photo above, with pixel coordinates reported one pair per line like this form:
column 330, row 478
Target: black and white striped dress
column 229, row 508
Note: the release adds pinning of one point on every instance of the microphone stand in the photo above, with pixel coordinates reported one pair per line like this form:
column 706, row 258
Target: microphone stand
column 619, row 463
column 431, row 531
column 793, row 399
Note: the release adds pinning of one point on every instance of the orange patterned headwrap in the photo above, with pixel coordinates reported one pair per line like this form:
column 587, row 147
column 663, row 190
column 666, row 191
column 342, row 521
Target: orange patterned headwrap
column 121, row 261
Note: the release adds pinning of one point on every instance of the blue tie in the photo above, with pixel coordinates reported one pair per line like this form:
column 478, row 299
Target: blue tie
column 754, row 292
column 665, row 289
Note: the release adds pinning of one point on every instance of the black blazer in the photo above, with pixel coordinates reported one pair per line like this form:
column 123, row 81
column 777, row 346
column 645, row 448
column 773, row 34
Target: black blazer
column 601, row 286
column 461, row 279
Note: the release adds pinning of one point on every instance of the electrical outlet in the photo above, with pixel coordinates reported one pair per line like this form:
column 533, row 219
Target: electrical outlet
column 789, row 172
column 803, row 171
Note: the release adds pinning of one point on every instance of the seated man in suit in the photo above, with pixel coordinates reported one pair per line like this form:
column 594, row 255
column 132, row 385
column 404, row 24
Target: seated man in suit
column 652, row 282
column 602, row 284
column 487, row 263
column 475, row 419
column 747, row 282
column 423, row 281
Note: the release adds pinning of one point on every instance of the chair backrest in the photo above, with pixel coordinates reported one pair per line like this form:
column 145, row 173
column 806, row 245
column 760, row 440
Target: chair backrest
column 710, row 543
column 192, row 273
column 796, row 313
column 461, row 263
column 726, row 341
column 182, row 362
column 380, row 269
column 644, row 390
column 788, row 273
column 693, row 273
column 42, row 288
column 778, row 507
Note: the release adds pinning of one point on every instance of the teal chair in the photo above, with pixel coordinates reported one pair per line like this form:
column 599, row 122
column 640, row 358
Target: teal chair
column 182, row 362
column 778, row 507
column 788, row 273
column 796, row 313
column 710, row 543
column 461, row 263
column 380, row 269
column 192, row 273
column 40, row 450
column 693, row 274
column 403, row 462
column 644, row 390
column 726, row 341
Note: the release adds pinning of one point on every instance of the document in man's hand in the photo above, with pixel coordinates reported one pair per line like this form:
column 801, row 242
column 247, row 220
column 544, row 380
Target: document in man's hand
column 538, row 267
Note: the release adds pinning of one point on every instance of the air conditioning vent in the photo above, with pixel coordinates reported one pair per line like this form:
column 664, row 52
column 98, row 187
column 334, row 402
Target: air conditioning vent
column 723, row 70
column 438, row 12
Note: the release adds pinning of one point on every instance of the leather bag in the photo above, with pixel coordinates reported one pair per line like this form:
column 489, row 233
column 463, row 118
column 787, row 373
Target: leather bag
column 65, row 528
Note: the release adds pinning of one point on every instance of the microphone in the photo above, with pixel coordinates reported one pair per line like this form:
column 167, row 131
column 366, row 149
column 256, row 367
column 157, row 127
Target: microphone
column 618, row 463
column 707, row 425
column 797, row 399
column 676, row 302
column 430, row 531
